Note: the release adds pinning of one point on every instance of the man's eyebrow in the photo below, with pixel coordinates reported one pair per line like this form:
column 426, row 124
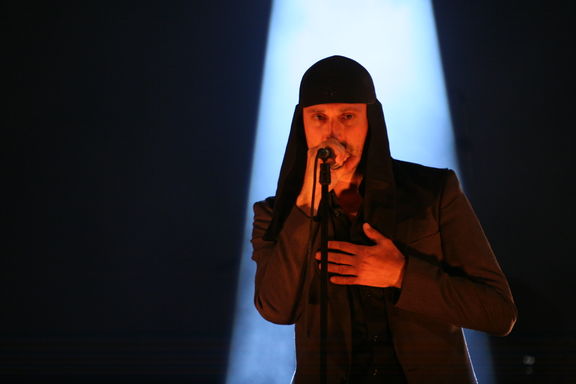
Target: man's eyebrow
column 315, row 110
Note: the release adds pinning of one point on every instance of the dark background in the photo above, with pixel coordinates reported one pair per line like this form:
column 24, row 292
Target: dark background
column 127, row 132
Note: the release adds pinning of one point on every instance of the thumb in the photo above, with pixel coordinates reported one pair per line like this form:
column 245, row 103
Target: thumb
column 372, row 233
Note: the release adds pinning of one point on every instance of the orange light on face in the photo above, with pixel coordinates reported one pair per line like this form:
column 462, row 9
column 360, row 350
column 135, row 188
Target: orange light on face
column 346, row 123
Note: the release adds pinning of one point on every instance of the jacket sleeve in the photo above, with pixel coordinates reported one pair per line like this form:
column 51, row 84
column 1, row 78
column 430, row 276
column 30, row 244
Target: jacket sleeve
column 463, row 285
column 281, row 266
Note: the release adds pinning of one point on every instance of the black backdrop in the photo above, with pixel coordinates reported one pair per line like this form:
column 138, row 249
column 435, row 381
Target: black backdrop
column 510, row 79
column 127, row 139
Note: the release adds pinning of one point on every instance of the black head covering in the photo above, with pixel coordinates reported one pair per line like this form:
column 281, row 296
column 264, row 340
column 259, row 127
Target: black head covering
column 338, row 79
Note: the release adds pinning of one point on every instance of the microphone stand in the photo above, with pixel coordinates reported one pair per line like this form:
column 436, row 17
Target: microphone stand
column 323, row 213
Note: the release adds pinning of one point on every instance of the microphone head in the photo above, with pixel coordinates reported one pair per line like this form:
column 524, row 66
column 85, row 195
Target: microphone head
column 325, row 153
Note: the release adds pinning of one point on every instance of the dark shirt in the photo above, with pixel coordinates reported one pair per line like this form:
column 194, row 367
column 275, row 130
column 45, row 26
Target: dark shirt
column 373, row 357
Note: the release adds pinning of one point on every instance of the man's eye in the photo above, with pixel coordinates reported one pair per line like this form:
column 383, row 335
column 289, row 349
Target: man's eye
column 319, row 117
column 347, row 116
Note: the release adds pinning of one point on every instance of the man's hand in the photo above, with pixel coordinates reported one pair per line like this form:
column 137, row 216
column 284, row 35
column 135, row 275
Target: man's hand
column 341, row 177
column 380, row 265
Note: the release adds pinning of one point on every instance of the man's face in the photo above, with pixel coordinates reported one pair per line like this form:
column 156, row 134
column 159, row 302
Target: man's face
column 347, row 123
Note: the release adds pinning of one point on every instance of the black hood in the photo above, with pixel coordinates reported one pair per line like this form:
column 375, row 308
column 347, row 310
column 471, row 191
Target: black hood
column 338, row 79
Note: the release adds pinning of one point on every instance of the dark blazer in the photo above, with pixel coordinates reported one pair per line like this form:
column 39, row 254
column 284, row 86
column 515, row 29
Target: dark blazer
column 452, row 280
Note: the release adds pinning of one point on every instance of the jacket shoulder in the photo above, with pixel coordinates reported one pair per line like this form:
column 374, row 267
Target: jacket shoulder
column 263, row 209
column 266, row 204
column 407, row 173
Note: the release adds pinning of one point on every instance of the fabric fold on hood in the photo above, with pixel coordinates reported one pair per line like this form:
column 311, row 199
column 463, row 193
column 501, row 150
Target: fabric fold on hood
column 338, row 79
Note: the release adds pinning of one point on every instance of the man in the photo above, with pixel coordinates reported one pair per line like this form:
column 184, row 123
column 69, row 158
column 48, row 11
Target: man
column 409, row 263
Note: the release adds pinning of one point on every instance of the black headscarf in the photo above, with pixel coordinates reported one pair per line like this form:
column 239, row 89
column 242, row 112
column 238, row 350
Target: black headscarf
column 338, row 79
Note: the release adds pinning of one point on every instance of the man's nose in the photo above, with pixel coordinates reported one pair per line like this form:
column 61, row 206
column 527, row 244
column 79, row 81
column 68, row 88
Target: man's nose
column 333, row 129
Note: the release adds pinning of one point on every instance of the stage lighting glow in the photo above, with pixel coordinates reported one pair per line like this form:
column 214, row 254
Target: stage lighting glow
column 396, row 42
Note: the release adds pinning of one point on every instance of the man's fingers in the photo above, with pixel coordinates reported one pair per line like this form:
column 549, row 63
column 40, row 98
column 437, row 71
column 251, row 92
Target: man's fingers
column 341, row 269
column 338, row 258
column 343, row 280
column 343, row 246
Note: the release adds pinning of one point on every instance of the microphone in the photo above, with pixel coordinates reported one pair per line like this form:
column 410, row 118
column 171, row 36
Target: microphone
column 325, row 153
